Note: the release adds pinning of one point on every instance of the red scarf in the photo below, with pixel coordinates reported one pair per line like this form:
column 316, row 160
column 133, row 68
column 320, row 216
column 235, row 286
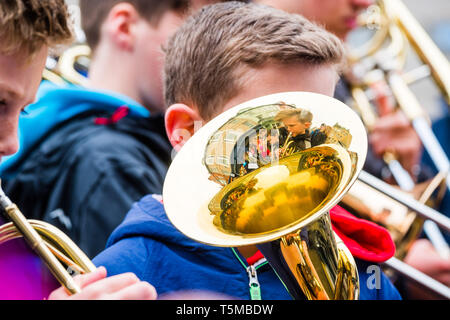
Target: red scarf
column 365, row 239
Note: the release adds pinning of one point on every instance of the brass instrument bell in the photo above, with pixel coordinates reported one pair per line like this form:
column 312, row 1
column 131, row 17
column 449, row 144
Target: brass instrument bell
column 212, row 194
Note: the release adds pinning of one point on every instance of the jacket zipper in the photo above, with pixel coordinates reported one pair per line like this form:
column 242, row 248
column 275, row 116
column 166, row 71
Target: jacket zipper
column 254, row 286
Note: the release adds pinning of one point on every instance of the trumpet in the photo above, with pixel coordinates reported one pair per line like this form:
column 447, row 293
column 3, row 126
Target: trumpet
column 56, row 250
column 282, row 206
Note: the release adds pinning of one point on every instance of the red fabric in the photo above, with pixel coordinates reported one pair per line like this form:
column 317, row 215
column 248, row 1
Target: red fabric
column 365, row 240
column 101, row 121
column 257, row 256
column 120, row 113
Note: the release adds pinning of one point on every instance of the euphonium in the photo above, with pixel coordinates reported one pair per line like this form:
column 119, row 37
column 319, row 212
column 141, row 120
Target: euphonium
column 282, row 204
column 61, row 256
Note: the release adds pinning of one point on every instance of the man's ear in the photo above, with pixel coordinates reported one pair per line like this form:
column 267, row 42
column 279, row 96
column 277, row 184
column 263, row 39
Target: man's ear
column 182, row 122
column 307, row 125
column 120, row 25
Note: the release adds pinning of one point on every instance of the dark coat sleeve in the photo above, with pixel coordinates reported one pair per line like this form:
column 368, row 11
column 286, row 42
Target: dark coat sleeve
column 108, row 201
column 98, row 185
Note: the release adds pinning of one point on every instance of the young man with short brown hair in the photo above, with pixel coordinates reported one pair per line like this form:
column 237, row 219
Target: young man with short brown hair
column 231, row 53
column 24, row 44
column 28, row 29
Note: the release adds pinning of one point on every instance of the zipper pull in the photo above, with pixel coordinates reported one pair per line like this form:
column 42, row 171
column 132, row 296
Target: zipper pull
column 255, row 290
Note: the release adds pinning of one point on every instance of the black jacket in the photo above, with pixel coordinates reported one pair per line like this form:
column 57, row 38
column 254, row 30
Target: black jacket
column 83, row 178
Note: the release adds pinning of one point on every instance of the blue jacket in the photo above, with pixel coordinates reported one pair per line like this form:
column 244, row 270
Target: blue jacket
column 69, row 168
column 54, row 106
column 147, row 244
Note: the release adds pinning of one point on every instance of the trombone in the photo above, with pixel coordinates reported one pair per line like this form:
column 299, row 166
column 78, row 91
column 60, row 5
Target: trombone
column 382, row 60
column 376, row 63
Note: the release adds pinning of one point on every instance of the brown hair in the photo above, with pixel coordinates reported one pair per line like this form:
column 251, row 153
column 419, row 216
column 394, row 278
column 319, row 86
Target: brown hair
column 302, row 115
column 204, row 56
column 30, row 24
column 94, row 13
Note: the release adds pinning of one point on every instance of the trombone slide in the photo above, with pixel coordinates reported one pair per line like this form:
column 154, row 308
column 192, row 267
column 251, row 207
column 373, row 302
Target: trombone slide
column 433, row 147
column 419, row 277
column 411, row 107
column 430, row 228
column 437, row 239
column 405, row 199
column 401, row 176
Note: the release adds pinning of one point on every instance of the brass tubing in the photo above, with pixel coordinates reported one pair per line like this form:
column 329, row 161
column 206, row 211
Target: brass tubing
column 423, row 45
column 405, row 199
column 48, row 242
column 418, row 277
column 38, row 245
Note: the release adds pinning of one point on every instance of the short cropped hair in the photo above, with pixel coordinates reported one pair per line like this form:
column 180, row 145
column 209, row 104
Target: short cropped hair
column 302, row 115
column 29, row 24
column 94, row 13
column 204, row 56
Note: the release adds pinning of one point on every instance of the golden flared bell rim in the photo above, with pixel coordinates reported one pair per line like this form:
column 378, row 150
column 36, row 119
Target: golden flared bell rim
column 188, row 187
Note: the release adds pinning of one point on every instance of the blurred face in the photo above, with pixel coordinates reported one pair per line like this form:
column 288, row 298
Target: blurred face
column 337, row 16
column 149, row 55
column 129, row 57
column 19, row 81
column 150, row 58
column 294, row 126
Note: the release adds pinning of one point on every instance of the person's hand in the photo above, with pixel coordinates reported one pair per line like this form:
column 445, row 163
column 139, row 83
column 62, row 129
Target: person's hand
column 424, row 258
column 394, row 133
column 96, row 286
